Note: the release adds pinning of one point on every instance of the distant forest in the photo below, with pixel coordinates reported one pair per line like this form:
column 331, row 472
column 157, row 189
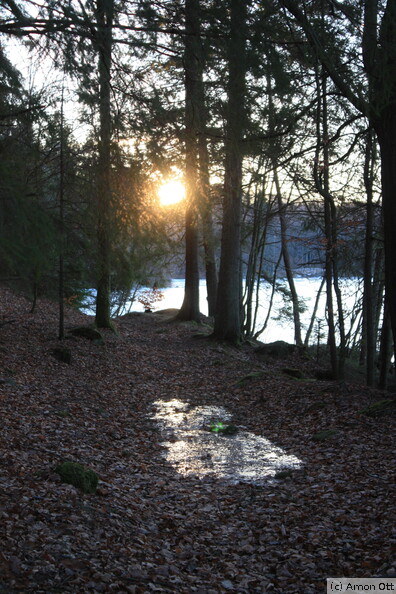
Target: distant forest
column 280, row 120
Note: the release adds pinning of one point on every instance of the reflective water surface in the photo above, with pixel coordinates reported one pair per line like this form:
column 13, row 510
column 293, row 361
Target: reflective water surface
column 193, row 449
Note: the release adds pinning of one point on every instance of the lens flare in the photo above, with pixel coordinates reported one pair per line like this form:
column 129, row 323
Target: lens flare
column 171, row 192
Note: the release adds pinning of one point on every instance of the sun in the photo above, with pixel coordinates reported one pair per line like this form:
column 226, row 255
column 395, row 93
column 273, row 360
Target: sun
column 171, row 192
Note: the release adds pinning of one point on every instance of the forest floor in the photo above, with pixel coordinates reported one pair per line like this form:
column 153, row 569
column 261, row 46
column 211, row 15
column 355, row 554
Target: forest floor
column 149, row 528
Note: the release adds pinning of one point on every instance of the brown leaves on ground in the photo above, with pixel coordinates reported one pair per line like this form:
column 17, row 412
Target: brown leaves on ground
column 149, row 529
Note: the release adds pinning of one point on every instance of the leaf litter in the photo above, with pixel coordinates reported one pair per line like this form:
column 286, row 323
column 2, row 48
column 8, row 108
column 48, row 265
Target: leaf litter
column 148, row 527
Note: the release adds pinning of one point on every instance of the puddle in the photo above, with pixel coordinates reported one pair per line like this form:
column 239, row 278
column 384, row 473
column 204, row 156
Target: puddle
column 193, row 449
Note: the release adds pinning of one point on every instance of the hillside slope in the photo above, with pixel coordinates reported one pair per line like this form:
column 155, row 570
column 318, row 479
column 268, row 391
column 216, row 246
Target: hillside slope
column 149, row 528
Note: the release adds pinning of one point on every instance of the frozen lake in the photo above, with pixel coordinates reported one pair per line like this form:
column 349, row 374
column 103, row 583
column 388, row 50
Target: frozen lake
column 280, row 325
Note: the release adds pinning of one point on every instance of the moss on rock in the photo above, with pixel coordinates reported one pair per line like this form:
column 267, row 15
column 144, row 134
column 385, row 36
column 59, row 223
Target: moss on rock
column 254, row 375
column 87, row 332
column 380, row 408
column 283, row 474
column 77, row 475
column 315, row 406
column 291, row 372
column 325, row 434
column 278, row 349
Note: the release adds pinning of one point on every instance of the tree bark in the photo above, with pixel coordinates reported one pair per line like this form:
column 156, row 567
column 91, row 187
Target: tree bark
column 287, row 262
column 189, row 310
column 205, row 206
column 283, row 223
column 61, row 287
column 368, row 320
column 190, row 306
column 105, row 9
column 386, row 133
column 262, row 214
column 380, row 61
column 206, row 213
column 322, row 184
column 227, row 319
column 385, row 349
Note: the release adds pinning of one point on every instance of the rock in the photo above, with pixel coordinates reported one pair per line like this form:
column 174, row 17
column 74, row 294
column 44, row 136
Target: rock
column 380, row 409
column 315, row 406
column 324, row 375
column 325, row 434
column 278, row 349
column 283, row 474
column 291, row 372
column 7, row 380
column 170, row 311
column 87, row 332
column 252, row 376
column 62, row 354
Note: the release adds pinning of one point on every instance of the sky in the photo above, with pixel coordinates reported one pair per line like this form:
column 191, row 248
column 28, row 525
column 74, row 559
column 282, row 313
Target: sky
column 40, row 76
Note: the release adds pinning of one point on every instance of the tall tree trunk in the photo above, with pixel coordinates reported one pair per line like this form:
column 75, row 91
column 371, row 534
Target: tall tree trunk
column 206, row 215
column 190, row 306
column 205, row 206
column 338, row 355
column 385, row 349
column 380, row 62
column 105, row 9
column 227, row 319
column 287, row 262
column 254, row 269
column 329, row 294
column 378, row 290
column 314, row 312
column 322, row 183
column 189, row 310
column 283, row 223
column 386, row 133
column 61, row 325
column 368, row 320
